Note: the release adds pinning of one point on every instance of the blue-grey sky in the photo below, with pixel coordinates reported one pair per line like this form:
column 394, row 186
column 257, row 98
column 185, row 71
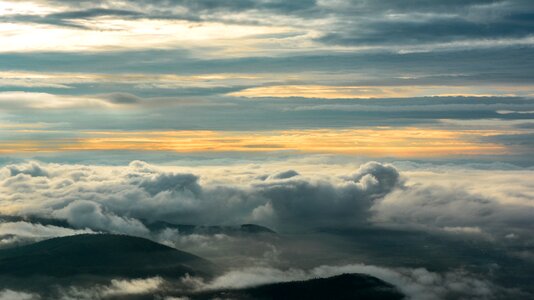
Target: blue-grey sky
column 139, row 75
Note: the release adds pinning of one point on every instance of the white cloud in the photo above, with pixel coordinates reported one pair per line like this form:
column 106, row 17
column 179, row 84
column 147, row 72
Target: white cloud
column 453, row 210
column 113, row 34
column 83, row 213
column 116, row 198
column 16, row 232
column 117, row 287
column 468, row 230
column 112, row 198
column 16, row 295
column 47, row 101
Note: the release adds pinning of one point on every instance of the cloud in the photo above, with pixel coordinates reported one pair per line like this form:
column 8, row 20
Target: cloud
column 114, row 198
column 135, row 286
column 13, row 233
column 309, row 25
column 417, row 284
column 286, row 174
column 116, row 288
column 15, row 295
column 68, row 18
column 33, row 169
column 376, row 177
column 180, row 10
column 120, row 199
column 467, row 230
column 30, row 100
column 431, row 28
column 123, row 98
column 453, row 210
column 376, row 204
column 422, row 284
column 186, row 183
column 83, row 213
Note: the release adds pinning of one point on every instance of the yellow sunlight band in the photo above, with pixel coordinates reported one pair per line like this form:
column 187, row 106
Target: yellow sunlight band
column 372, row 142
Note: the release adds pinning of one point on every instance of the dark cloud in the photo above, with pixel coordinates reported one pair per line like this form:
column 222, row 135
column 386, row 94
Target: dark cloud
column 194, row 11
column 376, row 177
column 217, row 6
column 33, row 169
column 502, row 63
column 92, row 13
column 430, row 31
column 350, row 22
column 521, row 140
column 69, row 18
column 286, row 174
column 420, row 22
column 182, row 183
column 123, row 98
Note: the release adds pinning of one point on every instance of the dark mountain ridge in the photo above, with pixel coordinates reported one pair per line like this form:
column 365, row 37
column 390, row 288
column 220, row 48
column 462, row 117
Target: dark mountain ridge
column 340, row 287
column 208, row 229
column 103, row 255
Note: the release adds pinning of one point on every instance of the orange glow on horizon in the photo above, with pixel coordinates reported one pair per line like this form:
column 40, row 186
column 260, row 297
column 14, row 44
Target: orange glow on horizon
column 372, row 92
column 406, row 142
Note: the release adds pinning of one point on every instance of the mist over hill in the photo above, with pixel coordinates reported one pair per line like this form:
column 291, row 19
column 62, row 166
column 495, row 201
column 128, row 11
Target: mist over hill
column 345, row 286
column 84, row 261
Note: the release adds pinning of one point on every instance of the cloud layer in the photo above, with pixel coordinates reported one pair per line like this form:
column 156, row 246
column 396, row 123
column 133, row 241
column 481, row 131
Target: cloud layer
column 416, row 284
column 122, row 199
column 360, row 214
column 114, row 199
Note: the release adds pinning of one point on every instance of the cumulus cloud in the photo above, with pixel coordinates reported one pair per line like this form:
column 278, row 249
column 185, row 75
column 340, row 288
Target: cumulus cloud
column 32, row 168
column 453, row 210
column 378, row 178
column 115, row 198
column 119, row 199
column 187, row 183
column 83, row 213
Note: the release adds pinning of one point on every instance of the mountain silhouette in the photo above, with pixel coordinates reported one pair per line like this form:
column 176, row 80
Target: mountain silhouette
column 102, row 255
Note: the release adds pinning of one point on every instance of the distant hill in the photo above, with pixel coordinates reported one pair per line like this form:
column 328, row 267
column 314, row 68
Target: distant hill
column 154, row 226
column 35, row 220
column 213, row 229
column 253, row 228
column 86, row 259
column 100, row 255
column 346, row 286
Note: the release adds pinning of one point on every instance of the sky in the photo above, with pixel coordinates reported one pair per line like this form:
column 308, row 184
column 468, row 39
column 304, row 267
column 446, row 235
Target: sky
column 329, row 121
column 373, row 78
